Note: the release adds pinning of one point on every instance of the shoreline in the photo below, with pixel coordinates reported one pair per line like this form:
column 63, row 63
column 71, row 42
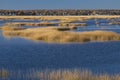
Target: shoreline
column 59, row 17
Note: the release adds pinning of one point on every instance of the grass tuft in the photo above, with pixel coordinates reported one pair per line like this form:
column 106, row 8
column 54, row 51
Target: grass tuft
column 9, row 28
column 45, row 23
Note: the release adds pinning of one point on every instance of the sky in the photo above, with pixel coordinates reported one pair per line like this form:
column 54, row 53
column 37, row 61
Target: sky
column 59, row 4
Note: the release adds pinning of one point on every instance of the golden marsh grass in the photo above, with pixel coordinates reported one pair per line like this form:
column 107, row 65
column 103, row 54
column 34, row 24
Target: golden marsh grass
column 51, row 34
column 114, row 23
column 59, row 75
column 72, row 24
column 9, row 28
column 60, row 17
column 45, row 23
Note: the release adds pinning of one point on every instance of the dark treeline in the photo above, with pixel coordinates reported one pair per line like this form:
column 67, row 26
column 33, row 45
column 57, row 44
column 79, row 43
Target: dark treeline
column 60, row 12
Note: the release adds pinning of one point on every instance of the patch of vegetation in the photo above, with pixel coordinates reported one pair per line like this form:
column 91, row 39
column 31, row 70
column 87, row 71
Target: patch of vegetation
column 60, row 75
column 78, row 24
column 72, row 24
column 114, row 23
column 9, row 28
column 31, row 24
column 51, row 34
column 61, row 18
column 4, row 73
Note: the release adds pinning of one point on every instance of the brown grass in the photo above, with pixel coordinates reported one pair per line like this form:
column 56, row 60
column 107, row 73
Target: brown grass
column 60, row 17
column 72, row 24
column 9, row 28
column 4, row 73
column 52, row 34
column 78, row 24
column 47, row 23
column 61, row 75
column 74, row 75
column 114, row 23
column 73, row 20
column 31, row 24
column 63, row 24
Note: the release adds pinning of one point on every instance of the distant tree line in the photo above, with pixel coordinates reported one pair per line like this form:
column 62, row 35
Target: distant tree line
column 59, row 12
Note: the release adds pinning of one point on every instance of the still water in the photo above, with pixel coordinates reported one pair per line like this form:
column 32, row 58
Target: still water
column 22, row 54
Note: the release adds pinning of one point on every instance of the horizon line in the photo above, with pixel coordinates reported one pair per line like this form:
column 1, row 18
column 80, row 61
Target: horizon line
column 62, row 9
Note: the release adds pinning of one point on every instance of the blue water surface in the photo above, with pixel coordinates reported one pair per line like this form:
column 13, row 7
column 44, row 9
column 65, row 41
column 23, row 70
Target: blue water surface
column 22, row 54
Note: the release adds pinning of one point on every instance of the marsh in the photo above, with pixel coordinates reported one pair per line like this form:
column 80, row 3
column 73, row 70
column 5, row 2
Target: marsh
column 23, row 55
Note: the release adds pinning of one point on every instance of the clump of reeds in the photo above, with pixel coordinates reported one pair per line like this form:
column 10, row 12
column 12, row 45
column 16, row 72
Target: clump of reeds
column 9, row 28
column 47, row 24
column 4, row 73
column 73, row 20
column 63, row 28
column 55, row 35
column 31, row 24
column 114, row 23
column 78, row 24
column 73, row 27
column 75, row 74
column 72, row 24
column 63, row 24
